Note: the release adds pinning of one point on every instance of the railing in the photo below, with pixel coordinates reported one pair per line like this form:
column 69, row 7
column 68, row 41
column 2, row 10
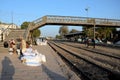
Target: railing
column 82, row 20
column 64, row 19
column 40, row 22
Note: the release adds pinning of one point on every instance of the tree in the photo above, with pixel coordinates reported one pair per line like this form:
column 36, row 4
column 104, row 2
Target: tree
column 105, row 32
column 88, row 31
column 58, row 37
column 73, row 31
column 63, row 30
column 25, row 25
column 36, row 33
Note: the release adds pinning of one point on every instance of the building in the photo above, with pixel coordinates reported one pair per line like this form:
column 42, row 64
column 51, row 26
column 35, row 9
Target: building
column 5, row 29
column 74, row 36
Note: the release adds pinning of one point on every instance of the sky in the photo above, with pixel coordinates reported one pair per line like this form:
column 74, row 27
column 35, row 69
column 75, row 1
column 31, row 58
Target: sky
column 19, row 11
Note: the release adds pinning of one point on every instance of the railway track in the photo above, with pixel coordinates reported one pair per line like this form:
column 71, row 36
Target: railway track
column 102, row 52
column 110, row 60
column 88, row 67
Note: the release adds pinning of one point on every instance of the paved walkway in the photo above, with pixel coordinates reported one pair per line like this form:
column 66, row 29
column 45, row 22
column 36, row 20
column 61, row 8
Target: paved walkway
column 54, row 69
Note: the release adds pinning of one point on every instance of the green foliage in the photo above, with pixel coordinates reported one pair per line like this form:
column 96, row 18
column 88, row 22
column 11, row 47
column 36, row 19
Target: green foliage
column 36, row 33
column 63, row 30
column 58, row 37
column 88, row 31
column 102, row 32
column 25, row 25
column 105, row 32
column 73, row 31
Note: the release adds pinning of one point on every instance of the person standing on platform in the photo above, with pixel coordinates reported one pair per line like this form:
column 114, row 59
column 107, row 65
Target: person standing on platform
column 93, row 42
column 87, row 42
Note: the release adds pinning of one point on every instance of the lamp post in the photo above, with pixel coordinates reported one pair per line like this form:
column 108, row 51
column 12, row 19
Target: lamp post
column 94, row 33
column 94, row 29
column 87, row 9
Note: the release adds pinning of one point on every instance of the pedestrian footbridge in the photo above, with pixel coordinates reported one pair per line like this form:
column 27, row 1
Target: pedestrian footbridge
column 72, row 21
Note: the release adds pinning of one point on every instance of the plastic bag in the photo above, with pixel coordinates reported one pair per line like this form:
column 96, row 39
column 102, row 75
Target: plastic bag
column 10, row 51
column 43, row 58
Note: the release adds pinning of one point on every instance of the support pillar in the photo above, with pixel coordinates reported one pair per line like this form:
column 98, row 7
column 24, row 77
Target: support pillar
column 94, row 35
column 94, row 30
column 31, row 38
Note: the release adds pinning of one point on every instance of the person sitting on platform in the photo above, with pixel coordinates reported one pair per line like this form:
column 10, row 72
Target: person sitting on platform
column 12, row 44
column 32, row 57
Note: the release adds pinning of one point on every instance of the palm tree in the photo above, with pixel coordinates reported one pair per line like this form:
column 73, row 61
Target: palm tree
column 105, row 32
column 88, row 31
column 63, row 30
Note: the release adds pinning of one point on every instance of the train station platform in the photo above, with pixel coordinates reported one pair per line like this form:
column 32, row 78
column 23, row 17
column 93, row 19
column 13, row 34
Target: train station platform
column 54, row 68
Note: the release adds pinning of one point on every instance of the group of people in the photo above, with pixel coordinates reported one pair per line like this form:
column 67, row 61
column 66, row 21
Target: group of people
column 41, row 41
column 88, row 41
column 19, row 47
column 14, row 47
column 27, row 54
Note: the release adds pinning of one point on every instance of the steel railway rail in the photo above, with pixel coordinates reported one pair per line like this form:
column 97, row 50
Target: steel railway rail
column 111, row 62
column 95, row 51
column 90, row 68
column 98, row 56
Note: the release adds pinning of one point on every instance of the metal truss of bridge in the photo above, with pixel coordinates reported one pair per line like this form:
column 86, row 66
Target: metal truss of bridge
column 72, row 21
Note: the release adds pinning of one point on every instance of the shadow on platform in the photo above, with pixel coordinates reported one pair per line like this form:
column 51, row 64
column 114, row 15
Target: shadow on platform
column 52, row 75
column 7, row 69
